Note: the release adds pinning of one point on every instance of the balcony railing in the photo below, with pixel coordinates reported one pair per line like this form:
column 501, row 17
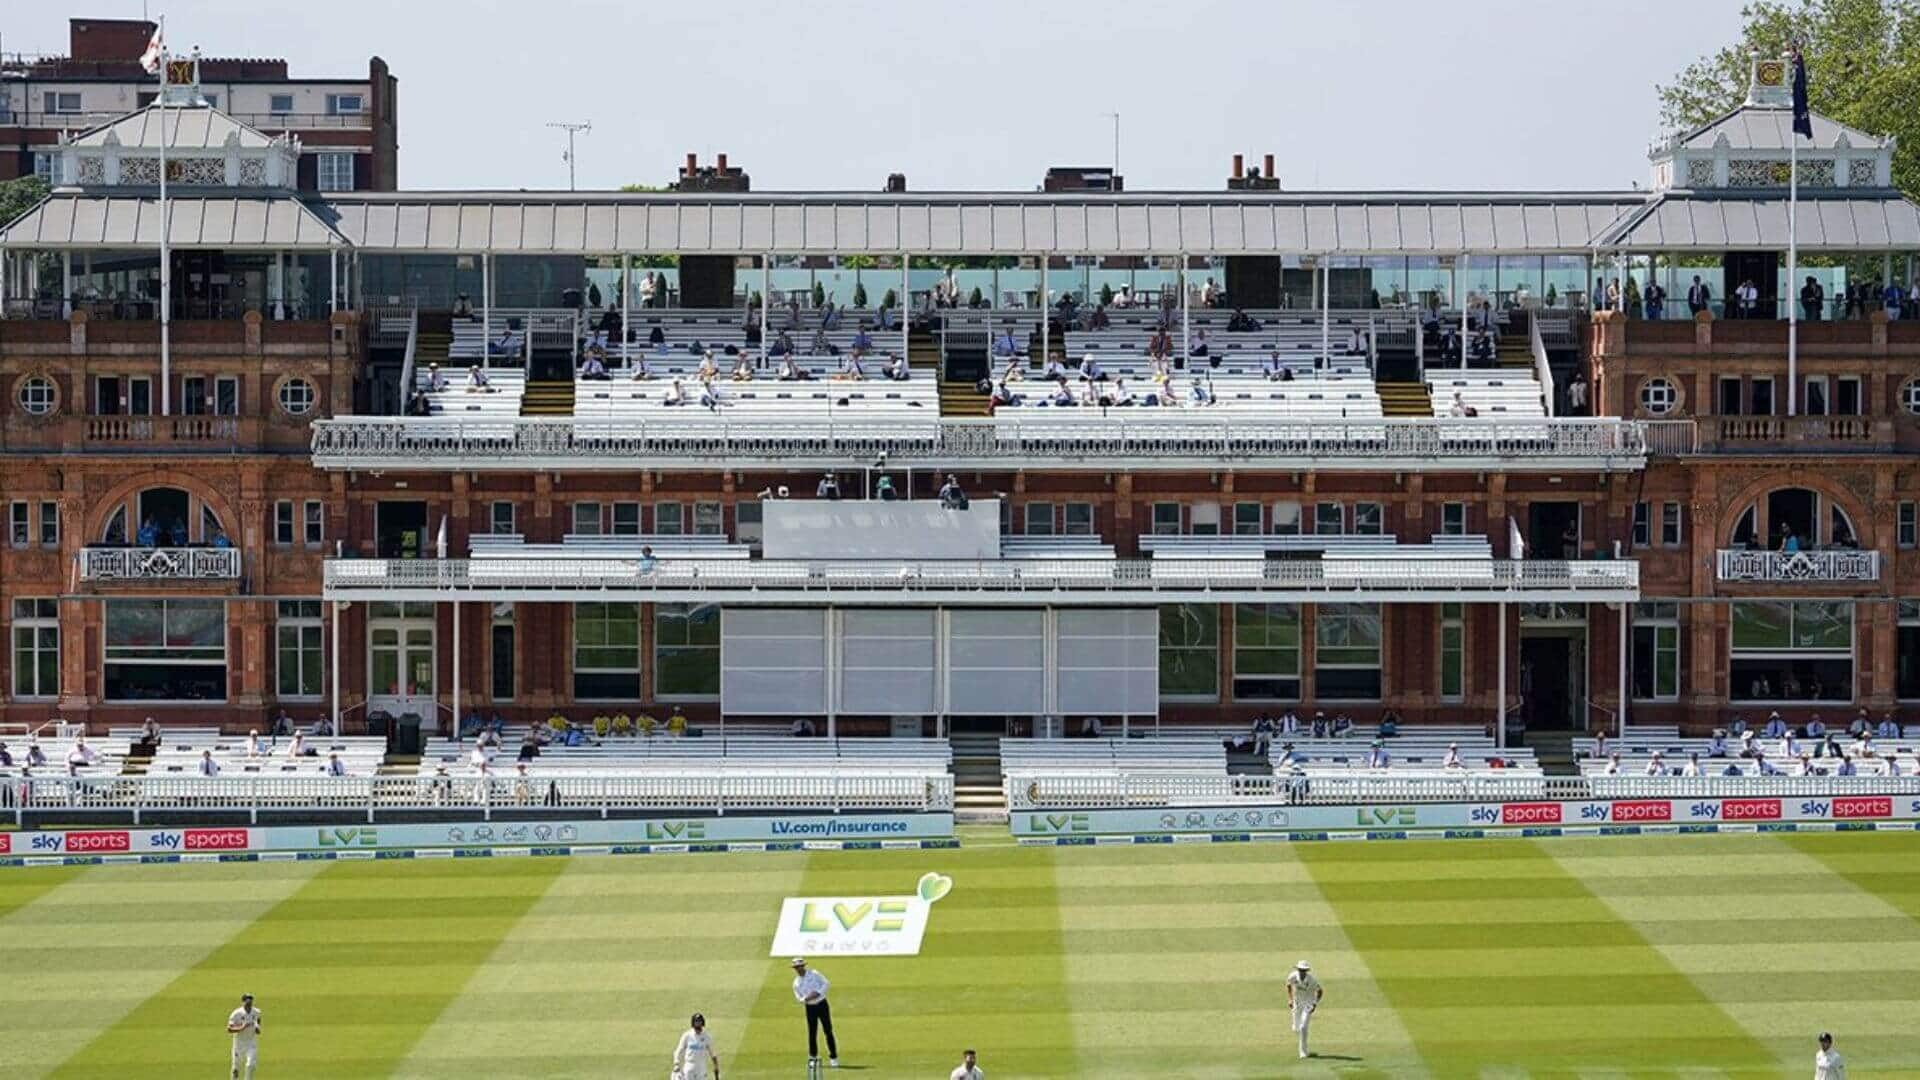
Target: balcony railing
column 521, row 443
column 1799, row 567
column 160, row 564
column 986, row 581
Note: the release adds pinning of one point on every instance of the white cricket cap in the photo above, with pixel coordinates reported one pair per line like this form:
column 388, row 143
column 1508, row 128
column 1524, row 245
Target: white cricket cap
column 1303, row 966
column 799, row 961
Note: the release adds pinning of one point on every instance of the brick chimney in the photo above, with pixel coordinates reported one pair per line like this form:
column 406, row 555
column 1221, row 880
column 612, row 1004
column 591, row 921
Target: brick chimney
column 896, row 183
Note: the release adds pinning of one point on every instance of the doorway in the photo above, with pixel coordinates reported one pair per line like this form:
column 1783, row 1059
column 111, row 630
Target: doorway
column 1552, row 678
column 400, row 529
column 1553, row 530
column 400, row 668
column 1760, row 267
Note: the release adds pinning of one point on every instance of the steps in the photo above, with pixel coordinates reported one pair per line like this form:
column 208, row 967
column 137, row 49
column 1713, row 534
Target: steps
column 1554, row 751
column 978, row 797
column 1404, row 399
column 962, row 400
column 431, row 347
column 1515, row 352
column 548, row 397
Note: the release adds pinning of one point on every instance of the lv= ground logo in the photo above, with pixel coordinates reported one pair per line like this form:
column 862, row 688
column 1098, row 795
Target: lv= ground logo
column 858, row 925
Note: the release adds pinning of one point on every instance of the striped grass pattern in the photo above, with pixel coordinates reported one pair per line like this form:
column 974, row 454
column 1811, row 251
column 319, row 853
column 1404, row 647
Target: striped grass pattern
column 1713, row 956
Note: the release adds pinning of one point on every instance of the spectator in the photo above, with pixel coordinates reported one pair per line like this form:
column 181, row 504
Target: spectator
column 1288, row 759
column 1889, row 728
column 862, row 342
column 1776, row 727
column 647, row 562
column 1099, row 320
column 708, row 370
column 802, row 728
column 1122, row 397
column 952, row 497
column 1692, row 767
column 1090, row 369
column 1815, row 727
column 1357, row 342
column 36, row 757
column 1656, row 765
column 1813, row 299
column 6, row 757
column 1377, row 756
column 594, row 369
column 297, row 747
column 1717, row 746
column 477, row 381
column 1789, row 745
column 1891, row 300
column 1577, row 394
column 851, row 369
column 897, row 369
column 1389, row 724
column 1459, row 408
column 1342, row 726
column 1805, row 765
column 1699, row 296
column 883, row 489
column 150, row 731
column 1452, row 760
column 1199, row 345
column 336, row 767
column 1004, row 345
column 1655, row 299
column 1846, row 767
column 1600, row 744
column 676, row 395
column 791, row 371
column 1749, row 296
column 149, row 534
column 827, row 488
column 208, row 766
column 819, row 345
column 1748, row 747
column 1091, row 728
column 1613, row 765
column 742, row 369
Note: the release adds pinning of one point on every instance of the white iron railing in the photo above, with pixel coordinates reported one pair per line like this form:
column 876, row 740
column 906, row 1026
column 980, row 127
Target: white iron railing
column 518, row 442
column 1795, row 567
column 575, row 793
column 348, row 578
column 1084, row 791
column 159, row 564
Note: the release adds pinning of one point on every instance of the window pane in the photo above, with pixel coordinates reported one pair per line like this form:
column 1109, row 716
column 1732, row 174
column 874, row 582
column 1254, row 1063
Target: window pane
column 1761, row 624
column 1189, row 650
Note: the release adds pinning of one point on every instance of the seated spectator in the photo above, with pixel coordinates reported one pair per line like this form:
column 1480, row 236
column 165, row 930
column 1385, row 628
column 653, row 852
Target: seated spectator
column 657, row 336
column 897, row 369
column 1600, row 745
column 1737, row 726
column 1122, row 397
column 1288, row 759
column 462, row 307
column 952, row 496
column 820, row 346
column 1717, row 746
column 827, row 488
column 1052, row 370
column 1846, row 767
column 1198, row 347
column 1002, row 396
column 1749, row 748
column 208, row 766
column 1342, row 726
column 675, row 395
column 1262, row 733
column 1091, row 728
column 36, row 757
column 1241, row 323
column 1613, row 765
column 1357, row 342
column 791, row 371
column 336, row 767
column 1861, row 724
column 1692, row 767
column 1656, row 766
column 708, row 370
column 1789, row 746
column 1320, row 725
column 642, row 369
column 883, row 490
column 418, row 404
column 782, row 345
column 862, row 342
column 1099, row 320
column 1804, row 766
column 802, row 728
column 1888, row 729
column 436, row 379
column 253, row 743
column 507, row 344
column 1200, row 394
column 851, row 369
column 1062, row 394
column 297, row 746
column 1377, row 756
column 710, row 398
column 595, row 369
column 1090, row 369
column 1389, row 724
column 1452, row 760
column 1273, row 367
column 1776, row 727
column 477, row 381
column 1815, row 727
column 742, row 368
column 1004, row 345
column 1763, row 767
column 150, row 731
column 529, row 746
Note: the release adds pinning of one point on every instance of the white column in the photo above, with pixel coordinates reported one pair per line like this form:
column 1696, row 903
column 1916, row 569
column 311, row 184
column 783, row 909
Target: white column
column 333, row 280
column 66, row 283
column 1620, row 710
column 456, row 665
column 1500, row 702
column 766, row 300
column 486, row 308
column 833, row 672
column 278, row 285
column 333, row 666
column 1186, row 338
column 906, row 346
column 1046, row 326
column 1460, row 291
column 626, row 306
column 1325, row 264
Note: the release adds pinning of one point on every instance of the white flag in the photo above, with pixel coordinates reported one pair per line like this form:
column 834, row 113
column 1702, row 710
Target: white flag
column 155, row 54
column 1516, row 544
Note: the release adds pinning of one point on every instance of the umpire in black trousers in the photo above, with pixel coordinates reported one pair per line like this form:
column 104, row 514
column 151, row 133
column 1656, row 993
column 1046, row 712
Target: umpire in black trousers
column 810, row 989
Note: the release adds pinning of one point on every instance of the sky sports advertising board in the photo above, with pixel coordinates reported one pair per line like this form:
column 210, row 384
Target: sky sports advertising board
column 651, row 831
column 1441, row 816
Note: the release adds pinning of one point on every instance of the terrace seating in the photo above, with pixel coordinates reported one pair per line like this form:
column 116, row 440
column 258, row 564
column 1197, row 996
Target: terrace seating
column 1241, row 392
column 1165, row 753
column 109, row 753
column 1500, row 394
column 179, row 754
column 510, row 327
column 499, row 401
column 777, row 755
column 1640, row 743
column 765, row 398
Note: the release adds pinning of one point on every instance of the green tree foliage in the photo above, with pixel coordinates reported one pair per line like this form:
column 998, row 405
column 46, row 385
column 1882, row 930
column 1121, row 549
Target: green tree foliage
column 1863, row 70
column 19, row 196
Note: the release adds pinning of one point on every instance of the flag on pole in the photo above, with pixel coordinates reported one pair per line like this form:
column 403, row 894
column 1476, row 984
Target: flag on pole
column 1802, row 114
column 156, row 51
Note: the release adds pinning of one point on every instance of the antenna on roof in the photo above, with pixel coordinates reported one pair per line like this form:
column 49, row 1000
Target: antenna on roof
column 572, row 129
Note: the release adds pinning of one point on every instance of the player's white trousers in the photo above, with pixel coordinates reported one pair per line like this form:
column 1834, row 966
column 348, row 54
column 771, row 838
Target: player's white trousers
column 1301, row 1018
column 244, row 1060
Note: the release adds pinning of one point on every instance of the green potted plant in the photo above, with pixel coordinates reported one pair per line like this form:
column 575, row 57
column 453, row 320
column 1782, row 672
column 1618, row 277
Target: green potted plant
column 891, row 300
column 860, row 294
column 819, row 295
column 1106, row 294
column 1553, row 295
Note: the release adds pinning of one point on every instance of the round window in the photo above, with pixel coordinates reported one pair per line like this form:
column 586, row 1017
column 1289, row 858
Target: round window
column 296, row 397
column 38, row 395
column 1659, row 396
column 1910, row 396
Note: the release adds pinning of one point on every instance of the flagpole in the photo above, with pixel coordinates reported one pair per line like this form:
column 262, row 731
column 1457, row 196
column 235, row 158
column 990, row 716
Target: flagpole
column 1793, row 246
column 166, row 256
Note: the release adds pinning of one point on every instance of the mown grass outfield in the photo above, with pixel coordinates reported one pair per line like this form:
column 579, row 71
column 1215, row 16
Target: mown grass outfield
column 1676, row 956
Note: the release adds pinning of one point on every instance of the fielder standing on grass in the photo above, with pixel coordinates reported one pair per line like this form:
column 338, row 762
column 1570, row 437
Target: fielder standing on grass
column 1827, row 1064
column 243, row 1024
column 694, row 1058
column 810, row 989
column 1303, row 997
column 968, row 1069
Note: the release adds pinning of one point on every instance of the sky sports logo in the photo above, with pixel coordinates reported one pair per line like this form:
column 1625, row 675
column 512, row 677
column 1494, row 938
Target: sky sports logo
column 1873, row 806
column 1749, row 809
column 1642, row 810
column 90, row 843
column 837, row 828
column 1533, row 813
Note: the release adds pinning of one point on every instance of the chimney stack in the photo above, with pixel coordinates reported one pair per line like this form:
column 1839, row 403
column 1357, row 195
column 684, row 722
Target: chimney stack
column 896, row 183
column 693, row 164
column 721, row 165
column 1239, row 166
column 1267, row 169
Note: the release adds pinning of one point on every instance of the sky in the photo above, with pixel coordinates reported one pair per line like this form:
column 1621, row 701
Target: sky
column 983, row 95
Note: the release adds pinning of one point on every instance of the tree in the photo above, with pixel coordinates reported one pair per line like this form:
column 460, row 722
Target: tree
column 859, row 294
column 19, row 196
column 1863, row 70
